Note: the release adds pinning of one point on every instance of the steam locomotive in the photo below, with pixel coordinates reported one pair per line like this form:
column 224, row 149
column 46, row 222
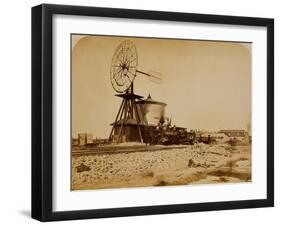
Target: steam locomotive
column 169, row 135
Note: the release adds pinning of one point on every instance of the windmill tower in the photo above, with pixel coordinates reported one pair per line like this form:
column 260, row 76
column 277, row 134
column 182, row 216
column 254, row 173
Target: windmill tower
column 128, row 124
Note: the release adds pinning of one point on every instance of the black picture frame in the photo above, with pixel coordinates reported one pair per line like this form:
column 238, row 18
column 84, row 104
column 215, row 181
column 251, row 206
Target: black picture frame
column 42, row 111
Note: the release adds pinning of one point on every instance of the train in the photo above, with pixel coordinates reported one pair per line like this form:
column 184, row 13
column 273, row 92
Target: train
column 169, row 135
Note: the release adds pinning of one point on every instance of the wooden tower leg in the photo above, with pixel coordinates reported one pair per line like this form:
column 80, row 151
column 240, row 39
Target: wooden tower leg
column 125, row 112
column 137, row 119
column 122, row 119
column 116, row 119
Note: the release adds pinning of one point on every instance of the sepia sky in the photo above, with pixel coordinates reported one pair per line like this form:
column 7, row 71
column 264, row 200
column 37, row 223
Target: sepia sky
column 205, row 84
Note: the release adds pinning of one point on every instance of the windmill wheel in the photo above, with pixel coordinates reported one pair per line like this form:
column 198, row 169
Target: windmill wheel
column 123, row 66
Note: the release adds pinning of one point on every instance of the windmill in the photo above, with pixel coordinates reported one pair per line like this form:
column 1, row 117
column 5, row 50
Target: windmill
column 123, row 71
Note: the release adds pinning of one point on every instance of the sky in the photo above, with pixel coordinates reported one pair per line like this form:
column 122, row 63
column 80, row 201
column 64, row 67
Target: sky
column 205, row 84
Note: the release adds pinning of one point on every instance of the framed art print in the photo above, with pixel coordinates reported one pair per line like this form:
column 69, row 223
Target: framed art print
column 146, row 112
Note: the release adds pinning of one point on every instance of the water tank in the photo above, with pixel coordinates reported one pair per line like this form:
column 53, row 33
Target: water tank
column 152, row 110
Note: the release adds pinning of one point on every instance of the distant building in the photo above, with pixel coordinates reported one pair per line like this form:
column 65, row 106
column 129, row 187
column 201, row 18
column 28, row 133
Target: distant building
column 89, row 138
column 75, row 142
column 219, row 137
column 234, row 133
column 238, row 135
column 84, row 139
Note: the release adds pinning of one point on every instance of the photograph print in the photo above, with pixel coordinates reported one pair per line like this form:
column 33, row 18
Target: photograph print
column 150, row 112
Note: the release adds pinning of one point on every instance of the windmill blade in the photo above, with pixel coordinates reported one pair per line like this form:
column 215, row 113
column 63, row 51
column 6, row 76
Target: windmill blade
column 153, row 76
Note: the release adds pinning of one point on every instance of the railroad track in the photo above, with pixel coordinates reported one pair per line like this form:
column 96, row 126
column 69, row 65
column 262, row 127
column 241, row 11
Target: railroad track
column 123, row 149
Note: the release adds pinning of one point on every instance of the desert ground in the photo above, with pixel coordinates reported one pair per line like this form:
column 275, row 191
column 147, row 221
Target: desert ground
column 182, row 165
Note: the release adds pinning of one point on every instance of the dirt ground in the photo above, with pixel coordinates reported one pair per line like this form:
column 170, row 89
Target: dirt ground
column 194, row 164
